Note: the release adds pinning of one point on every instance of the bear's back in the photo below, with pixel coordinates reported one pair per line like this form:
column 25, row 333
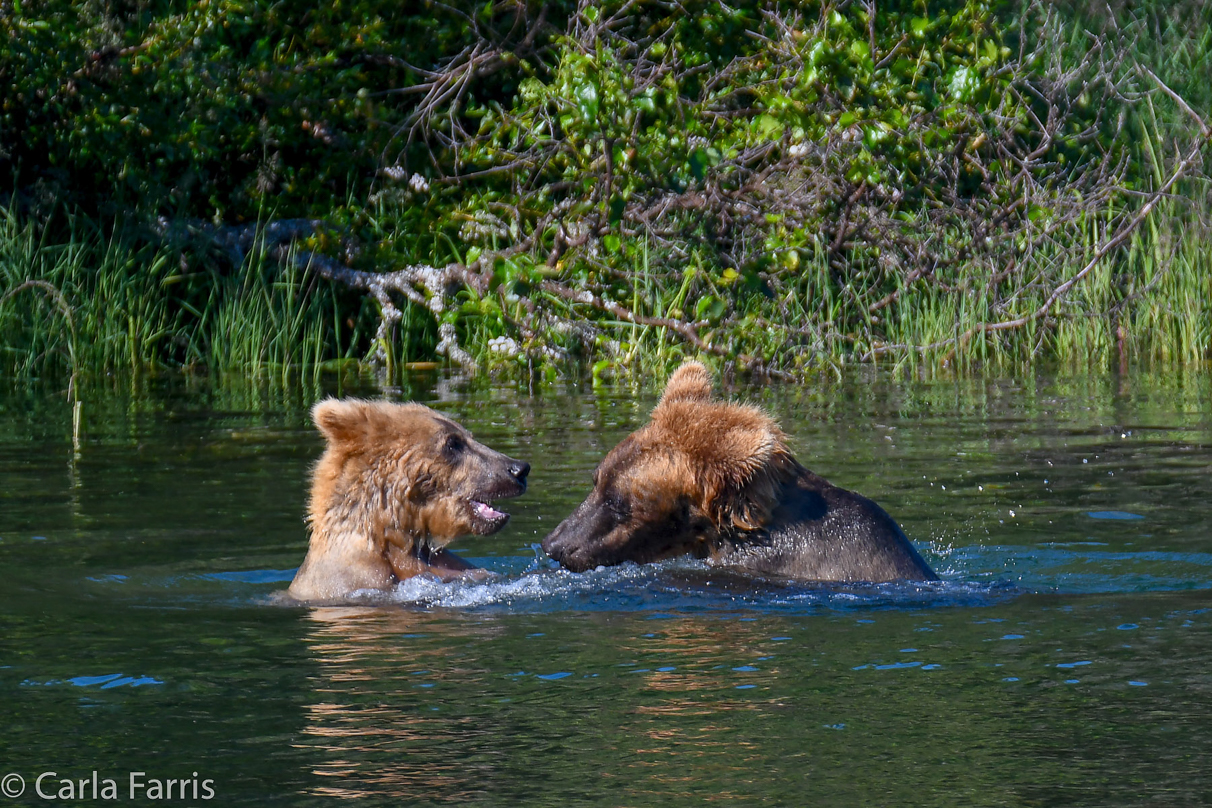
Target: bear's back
column 821, row 532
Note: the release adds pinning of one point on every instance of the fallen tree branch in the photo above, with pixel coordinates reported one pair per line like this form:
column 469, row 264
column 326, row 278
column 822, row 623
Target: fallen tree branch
column 423, row 285
column 687, row 331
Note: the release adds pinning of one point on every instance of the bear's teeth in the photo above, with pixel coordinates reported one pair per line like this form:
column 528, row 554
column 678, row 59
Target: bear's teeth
column 485, row 511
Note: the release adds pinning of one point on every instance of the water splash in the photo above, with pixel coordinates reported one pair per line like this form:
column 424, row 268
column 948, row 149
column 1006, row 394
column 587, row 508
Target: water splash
column 679, row 586
column 972, row 576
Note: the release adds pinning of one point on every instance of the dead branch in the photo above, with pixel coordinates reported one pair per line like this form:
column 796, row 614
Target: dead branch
column 426, row 286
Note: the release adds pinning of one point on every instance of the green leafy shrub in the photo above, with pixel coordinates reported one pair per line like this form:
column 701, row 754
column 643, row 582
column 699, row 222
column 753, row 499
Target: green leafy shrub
column 776, row 185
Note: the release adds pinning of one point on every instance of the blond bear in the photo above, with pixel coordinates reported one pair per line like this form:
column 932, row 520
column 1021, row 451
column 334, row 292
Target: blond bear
column 396, row 484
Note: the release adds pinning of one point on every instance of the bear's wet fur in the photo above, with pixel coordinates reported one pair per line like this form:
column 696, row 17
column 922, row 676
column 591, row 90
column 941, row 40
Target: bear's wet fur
column 716, row 480
column 395, row 485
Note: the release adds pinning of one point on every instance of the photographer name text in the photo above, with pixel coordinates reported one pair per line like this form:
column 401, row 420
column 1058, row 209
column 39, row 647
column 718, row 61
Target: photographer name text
column 51, row 786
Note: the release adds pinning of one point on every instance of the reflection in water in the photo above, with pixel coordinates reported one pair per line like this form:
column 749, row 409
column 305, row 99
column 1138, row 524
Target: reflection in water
column 420, row 707
column 373, row 734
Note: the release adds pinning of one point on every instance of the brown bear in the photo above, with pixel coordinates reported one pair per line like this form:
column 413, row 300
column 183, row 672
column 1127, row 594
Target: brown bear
column 396, row 484
column 716, row 480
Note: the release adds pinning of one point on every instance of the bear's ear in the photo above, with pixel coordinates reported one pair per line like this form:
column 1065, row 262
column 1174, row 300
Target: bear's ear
column 735, row 443
column 690, row 382
column 742, row 459
column 342, row 421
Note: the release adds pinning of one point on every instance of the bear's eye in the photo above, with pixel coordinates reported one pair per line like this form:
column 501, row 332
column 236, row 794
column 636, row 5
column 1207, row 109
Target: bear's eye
column 455, row 444
column 619, row 506
column 681, row 514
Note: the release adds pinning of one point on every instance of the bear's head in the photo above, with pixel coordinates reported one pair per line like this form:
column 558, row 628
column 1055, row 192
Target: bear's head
column 699, row 473
column 406, row 474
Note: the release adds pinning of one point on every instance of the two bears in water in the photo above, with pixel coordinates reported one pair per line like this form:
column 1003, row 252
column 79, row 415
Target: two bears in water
column 712, row 479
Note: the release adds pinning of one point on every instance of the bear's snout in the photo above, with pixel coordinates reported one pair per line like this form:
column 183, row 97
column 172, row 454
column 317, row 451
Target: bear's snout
column 498, row 476
column 560, row 549
column 577, row 542
column 513, row 482
column 555, row 543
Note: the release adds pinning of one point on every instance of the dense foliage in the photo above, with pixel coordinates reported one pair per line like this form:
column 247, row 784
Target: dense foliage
column 769, row 183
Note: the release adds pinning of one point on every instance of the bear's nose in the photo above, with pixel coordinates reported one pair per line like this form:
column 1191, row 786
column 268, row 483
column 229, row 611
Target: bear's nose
column 519, row 469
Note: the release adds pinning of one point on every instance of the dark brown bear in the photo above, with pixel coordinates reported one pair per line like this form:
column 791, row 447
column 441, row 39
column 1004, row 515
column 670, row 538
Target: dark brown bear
column 396, row 484
column 716, row 480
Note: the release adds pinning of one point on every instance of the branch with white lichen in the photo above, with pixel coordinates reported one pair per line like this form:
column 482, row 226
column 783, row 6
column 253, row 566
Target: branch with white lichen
column 423, row 285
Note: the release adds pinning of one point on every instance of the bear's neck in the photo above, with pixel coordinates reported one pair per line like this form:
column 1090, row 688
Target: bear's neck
column 376, row 534
column 750, row 509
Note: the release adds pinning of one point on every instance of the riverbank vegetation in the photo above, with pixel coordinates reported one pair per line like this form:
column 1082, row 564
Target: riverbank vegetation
column 239, row 187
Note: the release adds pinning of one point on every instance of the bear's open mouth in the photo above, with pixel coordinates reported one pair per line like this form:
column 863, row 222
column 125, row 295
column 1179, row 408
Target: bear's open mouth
column 485, row 511
column 485, row 518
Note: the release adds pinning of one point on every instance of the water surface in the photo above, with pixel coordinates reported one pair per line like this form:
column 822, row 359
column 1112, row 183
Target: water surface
column 1062, row 660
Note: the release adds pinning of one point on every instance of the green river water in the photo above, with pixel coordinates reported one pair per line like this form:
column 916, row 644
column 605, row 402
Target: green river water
column 1066, row 658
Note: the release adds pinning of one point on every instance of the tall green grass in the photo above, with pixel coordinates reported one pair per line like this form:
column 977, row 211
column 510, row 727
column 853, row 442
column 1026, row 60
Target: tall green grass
column 1147, row 303
column 97, row 304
